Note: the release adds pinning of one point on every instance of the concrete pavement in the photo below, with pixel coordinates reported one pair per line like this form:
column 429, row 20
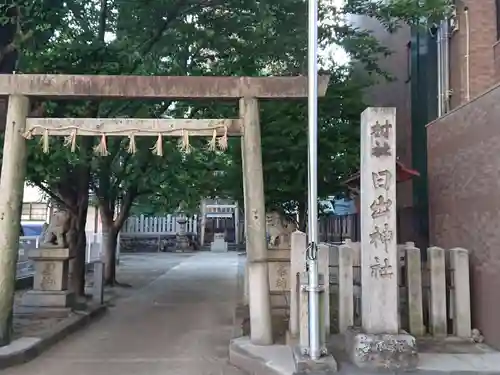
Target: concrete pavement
column 180, row 323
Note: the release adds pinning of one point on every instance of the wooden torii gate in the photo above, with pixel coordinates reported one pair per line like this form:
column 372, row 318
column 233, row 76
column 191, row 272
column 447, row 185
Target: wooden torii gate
column 20, row 87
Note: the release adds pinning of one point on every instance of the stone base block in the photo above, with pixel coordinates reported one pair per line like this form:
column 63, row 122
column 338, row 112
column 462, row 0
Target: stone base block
column 392, row 352
column 218, row 248
column 51, row 275
column 188, row 250
column 219, row 251
column 52, row 299
column 182, row 245
column 291, row 340
column 43, row 312
column 50, row 253
column 325, row 365
column 261, row 360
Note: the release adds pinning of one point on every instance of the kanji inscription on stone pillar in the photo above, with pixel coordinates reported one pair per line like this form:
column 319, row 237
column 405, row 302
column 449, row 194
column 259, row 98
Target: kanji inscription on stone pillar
column 379, row 257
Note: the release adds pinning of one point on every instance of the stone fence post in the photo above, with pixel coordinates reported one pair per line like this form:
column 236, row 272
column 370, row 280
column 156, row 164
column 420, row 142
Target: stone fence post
column 460, row 280
column 437, row 304
column 346, row 287
column 414, row 285
column 297, row 266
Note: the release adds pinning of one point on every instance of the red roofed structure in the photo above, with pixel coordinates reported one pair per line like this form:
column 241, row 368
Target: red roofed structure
column 403, row 174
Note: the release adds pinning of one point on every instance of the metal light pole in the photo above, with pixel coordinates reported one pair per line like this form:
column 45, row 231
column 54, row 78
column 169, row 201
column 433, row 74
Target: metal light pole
column 312, row 262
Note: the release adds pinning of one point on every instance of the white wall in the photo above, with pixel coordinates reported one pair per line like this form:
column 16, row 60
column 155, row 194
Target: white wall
column 94, row 224
column 32, row 194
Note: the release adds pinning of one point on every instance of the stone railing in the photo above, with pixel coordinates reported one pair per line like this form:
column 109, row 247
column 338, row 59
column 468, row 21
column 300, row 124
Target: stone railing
column 434, row 295
column 427, row 302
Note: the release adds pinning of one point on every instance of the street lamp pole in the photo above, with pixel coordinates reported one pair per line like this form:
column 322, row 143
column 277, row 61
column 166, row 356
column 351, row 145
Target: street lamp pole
column 312, row 258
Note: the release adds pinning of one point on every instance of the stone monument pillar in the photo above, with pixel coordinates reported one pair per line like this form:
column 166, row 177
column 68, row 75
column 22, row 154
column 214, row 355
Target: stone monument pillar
column 379, row 345
column 219, row 244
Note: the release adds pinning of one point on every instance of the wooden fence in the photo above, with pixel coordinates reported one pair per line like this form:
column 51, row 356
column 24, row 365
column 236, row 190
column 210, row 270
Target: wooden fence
column 410, row 227
column 336, row 229
column 157, row 225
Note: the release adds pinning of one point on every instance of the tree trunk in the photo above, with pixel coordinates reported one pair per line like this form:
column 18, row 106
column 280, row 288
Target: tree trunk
column 111, row 226
column 77, row 199
column 8, row 30
column 78, row 246
column 110, row 239
column 110, row 257
column 302, row 217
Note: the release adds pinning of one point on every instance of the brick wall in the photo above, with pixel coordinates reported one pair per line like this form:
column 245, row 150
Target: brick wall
column 464, row 198
column 496, row 56
column 482, row 33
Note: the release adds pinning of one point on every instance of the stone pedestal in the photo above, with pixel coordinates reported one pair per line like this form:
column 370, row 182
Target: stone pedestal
column 50, row 283
column 384, row 351
column 182, row 243
column 219, row 244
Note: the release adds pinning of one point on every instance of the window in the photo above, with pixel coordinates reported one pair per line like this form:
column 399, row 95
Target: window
column 408, row 61
column 497, row 3
column 34, row 211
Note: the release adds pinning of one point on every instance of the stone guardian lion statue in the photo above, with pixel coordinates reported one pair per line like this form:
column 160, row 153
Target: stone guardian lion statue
column 55, row 234
column 278, row 229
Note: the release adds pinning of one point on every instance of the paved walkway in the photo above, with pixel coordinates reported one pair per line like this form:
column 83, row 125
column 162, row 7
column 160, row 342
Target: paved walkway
column 178, row 324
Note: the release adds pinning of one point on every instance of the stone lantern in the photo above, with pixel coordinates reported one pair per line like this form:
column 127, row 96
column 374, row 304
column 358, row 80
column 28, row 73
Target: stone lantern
column 181, row 239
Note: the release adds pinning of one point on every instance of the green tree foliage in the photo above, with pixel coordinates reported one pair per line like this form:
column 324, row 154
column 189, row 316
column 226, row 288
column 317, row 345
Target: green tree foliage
column 123, row 37
column 284, row 124
column 393, row 13
column 284, row 146
column 189, row 37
